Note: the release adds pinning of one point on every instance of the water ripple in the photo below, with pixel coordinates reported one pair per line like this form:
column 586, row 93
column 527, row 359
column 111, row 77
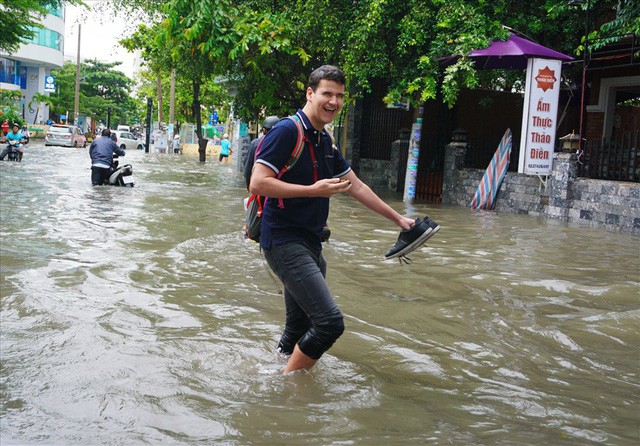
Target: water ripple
column 142, row 316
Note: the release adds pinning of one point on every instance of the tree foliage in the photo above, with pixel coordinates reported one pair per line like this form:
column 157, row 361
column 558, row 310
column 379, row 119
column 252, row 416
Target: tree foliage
column 248, row 44
column 21, row 19
column 37, row 101
column 147, row 40
column 102, row 87
column 213, row 95
column 9, row 100
column 205, row 39
column 266, row 49
column 623, row 19
column 188, row 39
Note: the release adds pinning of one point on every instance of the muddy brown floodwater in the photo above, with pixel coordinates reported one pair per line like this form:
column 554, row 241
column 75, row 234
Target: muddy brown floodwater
column 142, row 316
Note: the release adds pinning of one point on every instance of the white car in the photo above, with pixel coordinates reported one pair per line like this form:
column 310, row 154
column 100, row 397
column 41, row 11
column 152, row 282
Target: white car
column 127, row 140
column 65, row 135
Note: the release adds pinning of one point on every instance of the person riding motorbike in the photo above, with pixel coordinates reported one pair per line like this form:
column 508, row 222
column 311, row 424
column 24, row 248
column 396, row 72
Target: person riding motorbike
column 13, row 135
column 25, row 134
column 101, row 152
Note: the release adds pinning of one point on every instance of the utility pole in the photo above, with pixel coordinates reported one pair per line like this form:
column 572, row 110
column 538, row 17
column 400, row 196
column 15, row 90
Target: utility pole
column 172, row 97
column 159, row 89
column 585, row 62
column 77, row 98
column 148, row 132
column 411, row 178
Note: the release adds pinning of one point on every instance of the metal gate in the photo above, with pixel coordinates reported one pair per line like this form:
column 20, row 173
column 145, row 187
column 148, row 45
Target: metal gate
column 381, row 126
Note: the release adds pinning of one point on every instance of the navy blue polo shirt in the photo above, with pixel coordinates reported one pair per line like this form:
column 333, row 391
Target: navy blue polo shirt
column 301, row 219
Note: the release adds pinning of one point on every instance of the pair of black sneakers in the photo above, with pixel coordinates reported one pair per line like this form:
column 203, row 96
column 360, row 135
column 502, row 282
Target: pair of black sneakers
column 413, row 238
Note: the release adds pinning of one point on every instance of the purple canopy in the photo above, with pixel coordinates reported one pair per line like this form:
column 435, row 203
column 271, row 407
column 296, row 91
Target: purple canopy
column 512, row 53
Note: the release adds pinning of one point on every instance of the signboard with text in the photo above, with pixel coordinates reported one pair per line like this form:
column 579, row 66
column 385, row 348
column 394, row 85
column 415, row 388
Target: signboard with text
column 50, row 84
column 539, row 117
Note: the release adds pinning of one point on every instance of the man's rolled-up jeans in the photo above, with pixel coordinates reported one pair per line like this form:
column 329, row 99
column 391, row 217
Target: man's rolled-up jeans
column 313, row 320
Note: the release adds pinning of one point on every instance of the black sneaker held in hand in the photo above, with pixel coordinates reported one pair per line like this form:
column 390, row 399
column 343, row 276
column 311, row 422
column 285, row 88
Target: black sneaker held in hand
column 412, row 238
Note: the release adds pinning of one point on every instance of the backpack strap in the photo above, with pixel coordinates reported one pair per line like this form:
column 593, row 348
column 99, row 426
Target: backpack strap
column 296, row 153
column 253, row 197
column 297, row 148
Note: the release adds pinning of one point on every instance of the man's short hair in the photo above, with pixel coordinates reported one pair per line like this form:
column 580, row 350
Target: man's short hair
column 326, row 72
column 106, row 132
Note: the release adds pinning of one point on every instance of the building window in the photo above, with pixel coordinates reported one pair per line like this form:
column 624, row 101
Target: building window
column 23, row 77
column 9, row 71
column 48, row 38
column 55, row 10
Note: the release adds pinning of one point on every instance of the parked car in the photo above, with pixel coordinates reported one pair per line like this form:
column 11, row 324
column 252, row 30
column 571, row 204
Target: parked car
column 124, row 128
column 65, row 135
column 127, row 140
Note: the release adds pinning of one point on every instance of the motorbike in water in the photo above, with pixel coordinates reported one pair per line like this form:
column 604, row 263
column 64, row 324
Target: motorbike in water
column 13, row 150
column 120, row 175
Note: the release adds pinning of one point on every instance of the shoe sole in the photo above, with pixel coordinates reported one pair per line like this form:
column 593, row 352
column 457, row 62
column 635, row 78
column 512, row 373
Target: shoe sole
column 416, row 243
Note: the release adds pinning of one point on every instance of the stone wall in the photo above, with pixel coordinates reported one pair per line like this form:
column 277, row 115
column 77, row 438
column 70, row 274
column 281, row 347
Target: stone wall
column 612, row 205
column 375, row 173
column 381, row 174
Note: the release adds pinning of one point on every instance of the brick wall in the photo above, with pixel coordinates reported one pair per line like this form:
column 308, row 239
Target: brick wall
column 594, row 126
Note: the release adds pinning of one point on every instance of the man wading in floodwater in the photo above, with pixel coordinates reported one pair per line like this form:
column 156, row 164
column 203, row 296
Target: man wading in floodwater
column 298, row 207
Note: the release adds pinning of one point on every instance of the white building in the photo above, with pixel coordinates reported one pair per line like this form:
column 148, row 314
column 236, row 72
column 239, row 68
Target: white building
column 29, row 68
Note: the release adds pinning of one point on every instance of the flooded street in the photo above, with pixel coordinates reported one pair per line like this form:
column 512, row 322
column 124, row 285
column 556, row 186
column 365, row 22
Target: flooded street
column 141, row 316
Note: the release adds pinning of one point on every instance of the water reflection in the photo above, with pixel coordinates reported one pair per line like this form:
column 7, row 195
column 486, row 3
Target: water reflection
column 141, row 316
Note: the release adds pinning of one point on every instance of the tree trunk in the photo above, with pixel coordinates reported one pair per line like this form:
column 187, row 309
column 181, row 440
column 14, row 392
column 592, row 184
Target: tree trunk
column 195, row 108
column 159, row 90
